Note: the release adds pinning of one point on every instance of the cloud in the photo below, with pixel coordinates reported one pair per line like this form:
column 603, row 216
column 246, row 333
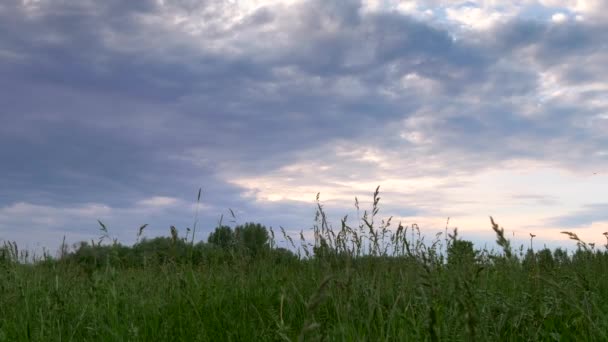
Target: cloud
column 559, row 17
column 594, row 10
column 159, row 201
column 199, row 92
column 474, row 17
column 586, row 216
column 543, row 200
column 135, row 105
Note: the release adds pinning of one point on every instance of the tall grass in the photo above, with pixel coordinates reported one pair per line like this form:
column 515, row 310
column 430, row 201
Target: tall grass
column 371, row 281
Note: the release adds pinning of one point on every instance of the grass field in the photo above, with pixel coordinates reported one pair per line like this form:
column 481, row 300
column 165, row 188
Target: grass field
column 365, row 283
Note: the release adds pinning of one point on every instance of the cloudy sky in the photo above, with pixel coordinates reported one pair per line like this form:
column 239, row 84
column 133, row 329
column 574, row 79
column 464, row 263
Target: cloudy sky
column 120, row 110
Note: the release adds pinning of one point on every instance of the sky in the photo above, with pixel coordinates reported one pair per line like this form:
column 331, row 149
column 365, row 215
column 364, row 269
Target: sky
column 120, row 111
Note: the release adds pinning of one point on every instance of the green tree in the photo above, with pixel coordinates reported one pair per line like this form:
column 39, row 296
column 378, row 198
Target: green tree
column 223, row 237
column 253, row 237
column 545, row 259
column 560, row 257
column 461, row 252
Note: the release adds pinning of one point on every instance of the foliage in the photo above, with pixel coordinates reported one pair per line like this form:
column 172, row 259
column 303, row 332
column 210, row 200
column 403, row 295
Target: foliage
column 250, row 238
column 253, row 237
column 365, row 283
column 223, row 237
column 461, row 252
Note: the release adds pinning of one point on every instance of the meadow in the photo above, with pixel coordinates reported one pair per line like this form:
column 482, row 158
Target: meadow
column 374, row 281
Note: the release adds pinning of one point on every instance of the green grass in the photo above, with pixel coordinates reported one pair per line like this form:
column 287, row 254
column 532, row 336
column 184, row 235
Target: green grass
column 367, row 283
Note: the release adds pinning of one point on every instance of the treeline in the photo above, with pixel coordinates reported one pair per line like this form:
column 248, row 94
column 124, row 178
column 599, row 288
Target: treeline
column 225, row 244
column 252, row 241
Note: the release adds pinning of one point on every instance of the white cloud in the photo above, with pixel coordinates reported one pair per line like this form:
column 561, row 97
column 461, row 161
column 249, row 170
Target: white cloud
column 559, row 3
column 559, row 18
column 502, row 191
column 475, row 17
column 414, row 8
column 159, row 201
column 592, row 9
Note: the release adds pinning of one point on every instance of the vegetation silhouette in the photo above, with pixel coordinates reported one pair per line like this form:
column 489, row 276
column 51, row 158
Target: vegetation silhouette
column 361, row 281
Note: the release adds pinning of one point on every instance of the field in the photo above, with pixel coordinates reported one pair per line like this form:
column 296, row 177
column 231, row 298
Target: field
column 370, row 282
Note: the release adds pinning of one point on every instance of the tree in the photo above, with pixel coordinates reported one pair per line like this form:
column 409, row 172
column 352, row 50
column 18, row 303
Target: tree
column 545, row 259
column 461, row 252
column 223, row 237
column 252, row 236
